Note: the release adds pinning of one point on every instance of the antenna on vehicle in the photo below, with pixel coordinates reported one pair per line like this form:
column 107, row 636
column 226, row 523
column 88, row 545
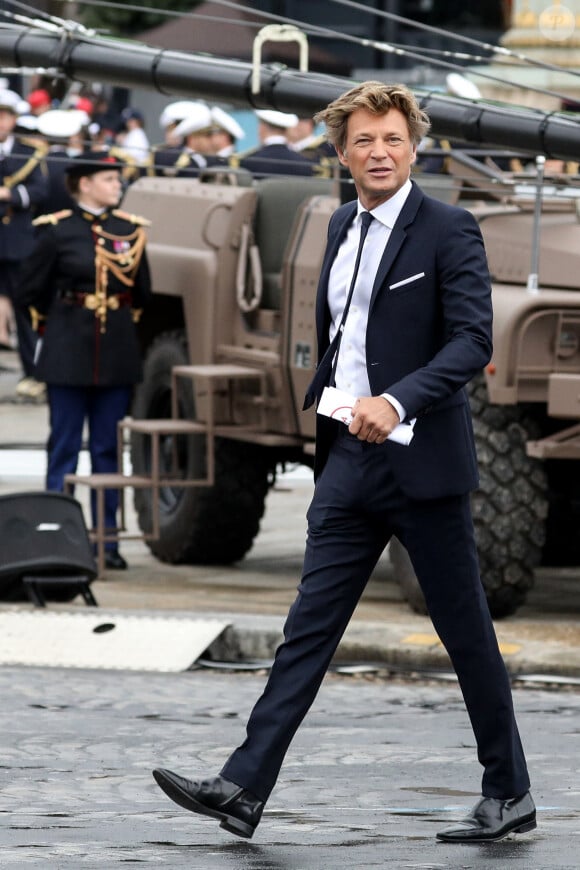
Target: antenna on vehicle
column 277, row 33
column 532, row 285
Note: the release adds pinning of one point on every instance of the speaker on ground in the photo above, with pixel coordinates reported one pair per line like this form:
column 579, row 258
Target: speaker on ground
column 45, row 550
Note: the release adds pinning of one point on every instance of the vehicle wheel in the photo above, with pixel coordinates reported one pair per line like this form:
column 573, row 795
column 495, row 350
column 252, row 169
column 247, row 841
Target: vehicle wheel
column 198, row 525
column 509, row 508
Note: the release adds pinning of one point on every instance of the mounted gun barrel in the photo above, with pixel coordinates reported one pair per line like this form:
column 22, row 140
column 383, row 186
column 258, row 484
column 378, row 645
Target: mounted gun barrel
column 114, row 61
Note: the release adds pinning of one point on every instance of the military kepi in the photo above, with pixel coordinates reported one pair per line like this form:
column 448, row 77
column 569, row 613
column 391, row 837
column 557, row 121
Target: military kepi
column 92, row 162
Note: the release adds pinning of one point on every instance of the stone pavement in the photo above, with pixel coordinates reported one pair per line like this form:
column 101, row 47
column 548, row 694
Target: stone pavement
column 378, row 767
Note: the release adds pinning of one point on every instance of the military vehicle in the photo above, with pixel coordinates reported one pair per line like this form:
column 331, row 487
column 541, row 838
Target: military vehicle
column 230, row 340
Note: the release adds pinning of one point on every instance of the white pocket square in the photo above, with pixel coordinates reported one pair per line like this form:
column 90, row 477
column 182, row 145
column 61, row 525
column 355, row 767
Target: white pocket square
column 407, row 280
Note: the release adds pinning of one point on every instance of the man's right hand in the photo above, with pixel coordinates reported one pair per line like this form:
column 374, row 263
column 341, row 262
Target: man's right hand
column 373, row 419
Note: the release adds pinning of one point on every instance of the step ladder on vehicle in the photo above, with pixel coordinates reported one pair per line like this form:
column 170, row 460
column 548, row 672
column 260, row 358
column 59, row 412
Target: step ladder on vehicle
column 210, row 383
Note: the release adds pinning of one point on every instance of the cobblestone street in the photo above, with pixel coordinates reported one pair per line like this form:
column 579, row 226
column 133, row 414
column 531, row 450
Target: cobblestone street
column 378, row 767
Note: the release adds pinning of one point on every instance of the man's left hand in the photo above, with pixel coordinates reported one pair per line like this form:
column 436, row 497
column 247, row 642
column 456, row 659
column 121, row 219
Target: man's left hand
column 373, row 419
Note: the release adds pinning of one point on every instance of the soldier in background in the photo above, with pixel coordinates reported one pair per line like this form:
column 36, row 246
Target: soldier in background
column 196, row 130
column 163, row 157
column 226, row 134
column 65, row 132
column 274, row 156
column 315, row 146
column 131, row 135
column 22, row 187
column 87, row 280
column 303, row 139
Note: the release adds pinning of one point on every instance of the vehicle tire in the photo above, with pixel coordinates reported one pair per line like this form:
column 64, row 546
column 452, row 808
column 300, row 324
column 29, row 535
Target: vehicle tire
column 509, row 508
column 198, row 525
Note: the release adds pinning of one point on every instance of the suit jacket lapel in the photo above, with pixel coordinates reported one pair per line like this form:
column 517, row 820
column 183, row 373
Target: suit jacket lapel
column 396, row 239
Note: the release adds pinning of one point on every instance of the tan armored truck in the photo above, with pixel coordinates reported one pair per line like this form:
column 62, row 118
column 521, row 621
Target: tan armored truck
column 230, row 342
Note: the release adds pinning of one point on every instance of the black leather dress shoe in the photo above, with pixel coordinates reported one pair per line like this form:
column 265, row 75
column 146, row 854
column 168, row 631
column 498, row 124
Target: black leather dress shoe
column 493, row 819
column 237, row 810
column 114, row 561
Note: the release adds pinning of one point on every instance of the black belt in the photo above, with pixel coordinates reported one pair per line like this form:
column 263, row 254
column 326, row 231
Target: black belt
column 91, row 301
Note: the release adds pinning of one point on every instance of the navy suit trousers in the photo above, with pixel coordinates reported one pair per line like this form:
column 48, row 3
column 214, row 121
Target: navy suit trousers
column 356, row 507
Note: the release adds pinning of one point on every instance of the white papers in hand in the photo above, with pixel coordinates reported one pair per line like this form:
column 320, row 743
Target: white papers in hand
column 338, row 405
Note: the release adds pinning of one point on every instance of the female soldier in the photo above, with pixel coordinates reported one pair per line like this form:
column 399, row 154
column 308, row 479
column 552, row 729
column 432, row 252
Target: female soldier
column 87, row 282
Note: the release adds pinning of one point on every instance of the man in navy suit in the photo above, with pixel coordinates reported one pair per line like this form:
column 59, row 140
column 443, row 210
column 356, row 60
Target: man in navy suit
column 418, row 328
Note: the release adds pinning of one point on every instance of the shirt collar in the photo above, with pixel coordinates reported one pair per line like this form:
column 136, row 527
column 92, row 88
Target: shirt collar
column 92, row 214
column 275, row 140
column 388, row 212
column 96, row 212
column 8, row 144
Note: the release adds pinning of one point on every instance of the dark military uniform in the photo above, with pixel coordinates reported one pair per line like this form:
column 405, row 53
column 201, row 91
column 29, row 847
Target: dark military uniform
column 162, row 160
column 87, row 279
column 322, row 155
column 20, row 170
column 179, row 162
column 274, row 159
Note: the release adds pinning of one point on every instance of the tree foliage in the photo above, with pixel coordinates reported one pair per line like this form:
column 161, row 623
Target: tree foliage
column 128, row 22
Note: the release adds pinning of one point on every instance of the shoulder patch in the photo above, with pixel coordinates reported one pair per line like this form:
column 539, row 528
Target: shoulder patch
column 132, row 218
column 53, row 218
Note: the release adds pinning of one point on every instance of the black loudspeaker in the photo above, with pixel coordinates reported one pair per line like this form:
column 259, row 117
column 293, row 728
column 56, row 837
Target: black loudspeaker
column 44, row 548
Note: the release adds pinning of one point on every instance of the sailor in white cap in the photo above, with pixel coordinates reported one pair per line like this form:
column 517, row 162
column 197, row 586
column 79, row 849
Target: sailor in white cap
column 164, row 157
column 66, row 133
column 196, row 131
column 9, row 101
column 274, row 156
column 226, row 133
column 277, row 120
column 22, row 188
column 172, row 115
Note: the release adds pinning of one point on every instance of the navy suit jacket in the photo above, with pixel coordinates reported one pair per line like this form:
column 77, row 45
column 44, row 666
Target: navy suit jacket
column 429, row 332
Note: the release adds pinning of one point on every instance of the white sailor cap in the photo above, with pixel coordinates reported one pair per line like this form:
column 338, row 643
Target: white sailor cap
column 28, row 122
column 10, row 101
column 277, row 119
column 173, row 113
column 62, row 123
column 198, row 119
column 459, row 86
column 225, row 122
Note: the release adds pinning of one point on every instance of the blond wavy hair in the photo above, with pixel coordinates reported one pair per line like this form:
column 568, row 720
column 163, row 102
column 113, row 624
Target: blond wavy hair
column 377, row 98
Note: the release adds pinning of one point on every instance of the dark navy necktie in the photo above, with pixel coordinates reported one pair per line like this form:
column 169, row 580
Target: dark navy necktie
column 326, row 370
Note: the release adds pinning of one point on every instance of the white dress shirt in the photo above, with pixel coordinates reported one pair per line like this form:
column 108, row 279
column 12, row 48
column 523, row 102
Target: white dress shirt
column 136, row 143
column 351, row 369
